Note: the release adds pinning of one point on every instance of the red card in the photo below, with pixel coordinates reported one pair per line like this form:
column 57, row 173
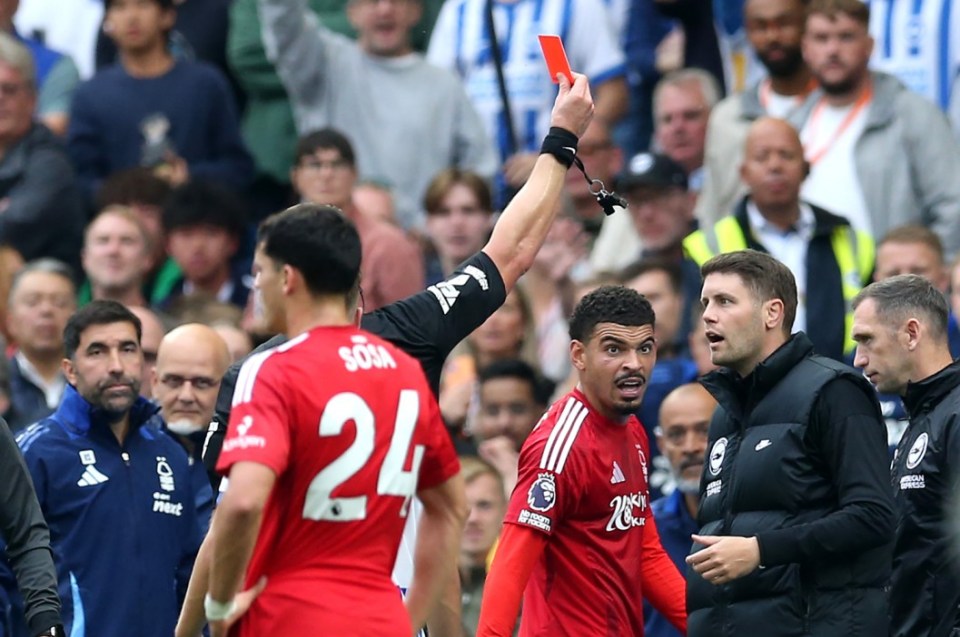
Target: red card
column 555, row 56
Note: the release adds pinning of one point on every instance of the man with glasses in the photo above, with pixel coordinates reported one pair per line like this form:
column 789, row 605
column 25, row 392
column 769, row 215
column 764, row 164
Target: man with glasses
column 190, row 362
column 37, row 185
column 325, row 173
column 409, row 119
column 682, row 438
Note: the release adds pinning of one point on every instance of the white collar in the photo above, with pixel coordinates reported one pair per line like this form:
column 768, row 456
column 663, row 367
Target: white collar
column 803, row 227
column 52, row 391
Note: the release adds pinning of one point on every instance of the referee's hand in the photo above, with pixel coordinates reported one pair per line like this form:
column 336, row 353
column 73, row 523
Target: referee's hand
column 243, row 601
column 573, row 108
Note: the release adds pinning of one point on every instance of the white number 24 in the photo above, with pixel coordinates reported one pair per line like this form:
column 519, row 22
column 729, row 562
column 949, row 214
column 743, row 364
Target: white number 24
column 393, row 480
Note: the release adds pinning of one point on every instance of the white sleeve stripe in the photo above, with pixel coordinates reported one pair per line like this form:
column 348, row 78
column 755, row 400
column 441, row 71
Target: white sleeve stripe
column 556, row 431
column 573, row 436
column 564, row 436
column 248, row 374
column 564, row 428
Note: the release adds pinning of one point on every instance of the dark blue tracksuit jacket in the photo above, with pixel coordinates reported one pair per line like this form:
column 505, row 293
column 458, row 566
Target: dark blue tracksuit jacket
column 123, row 524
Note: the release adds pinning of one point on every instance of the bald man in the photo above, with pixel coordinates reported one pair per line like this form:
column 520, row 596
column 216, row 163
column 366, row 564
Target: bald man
column 191, row 360
column 682, row 437
column 830, row 260
column 153, row 331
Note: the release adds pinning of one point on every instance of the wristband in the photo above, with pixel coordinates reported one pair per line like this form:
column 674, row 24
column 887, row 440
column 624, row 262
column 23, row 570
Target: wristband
column 560, row 143
column 218, row 611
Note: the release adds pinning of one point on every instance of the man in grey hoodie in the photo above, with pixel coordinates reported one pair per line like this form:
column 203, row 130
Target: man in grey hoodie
column 880, row 155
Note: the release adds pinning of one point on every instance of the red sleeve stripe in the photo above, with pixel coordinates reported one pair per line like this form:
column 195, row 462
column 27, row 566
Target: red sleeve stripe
column 561, row 438
column 248, row 374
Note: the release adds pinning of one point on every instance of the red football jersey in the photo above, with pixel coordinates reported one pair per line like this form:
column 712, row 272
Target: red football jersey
column 350, row 427
column 583, row 482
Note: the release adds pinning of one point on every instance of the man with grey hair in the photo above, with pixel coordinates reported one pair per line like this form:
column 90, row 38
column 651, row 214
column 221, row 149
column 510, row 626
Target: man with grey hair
column 682, row 102
column 42, row 298
column 37, row 187
column 57, row 75
column 900, row 326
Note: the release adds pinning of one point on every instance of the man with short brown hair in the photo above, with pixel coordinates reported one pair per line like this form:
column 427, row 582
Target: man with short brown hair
column 796, row 511
column 879, row 155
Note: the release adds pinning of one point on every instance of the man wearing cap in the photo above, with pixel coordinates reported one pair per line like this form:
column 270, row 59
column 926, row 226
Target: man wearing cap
column 816, row 245
column 660, row 205
column 682, row 103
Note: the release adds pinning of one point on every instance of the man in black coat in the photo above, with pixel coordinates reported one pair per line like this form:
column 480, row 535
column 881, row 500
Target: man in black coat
column 796, row 515
column 900, row 326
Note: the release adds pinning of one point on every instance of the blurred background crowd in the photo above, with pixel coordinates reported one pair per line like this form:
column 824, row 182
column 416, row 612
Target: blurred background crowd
column 141, row 141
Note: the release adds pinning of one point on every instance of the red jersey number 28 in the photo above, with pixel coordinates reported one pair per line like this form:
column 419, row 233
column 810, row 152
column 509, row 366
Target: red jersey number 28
column 392, row 480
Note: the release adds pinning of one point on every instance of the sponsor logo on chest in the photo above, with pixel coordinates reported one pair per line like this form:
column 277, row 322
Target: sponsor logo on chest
column 914, row 457
column 244, row 439
column 627, row 511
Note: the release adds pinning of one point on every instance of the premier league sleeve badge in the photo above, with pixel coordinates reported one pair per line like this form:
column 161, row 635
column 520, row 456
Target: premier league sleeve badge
column 543, row 493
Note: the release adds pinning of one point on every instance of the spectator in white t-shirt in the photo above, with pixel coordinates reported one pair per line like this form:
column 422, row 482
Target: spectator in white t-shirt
column 880, row 155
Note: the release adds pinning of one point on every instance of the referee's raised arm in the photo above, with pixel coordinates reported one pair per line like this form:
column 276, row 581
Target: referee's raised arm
column 523, row 225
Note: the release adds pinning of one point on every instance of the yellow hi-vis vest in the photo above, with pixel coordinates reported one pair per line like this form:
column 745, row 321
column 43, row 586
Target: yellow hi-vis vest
column 853, row 250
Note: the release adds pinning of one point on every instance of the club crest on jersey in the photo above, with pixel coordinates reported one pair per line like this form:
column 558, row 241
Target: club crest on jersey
column 917, row 451
column 643, row 463
column 543, row 493
column 717, row 454
column 165, row 474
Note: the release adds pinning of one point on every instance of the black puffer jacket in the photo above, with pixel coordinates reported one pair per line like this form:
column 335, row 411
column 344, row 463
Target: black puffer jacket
column 797, row 458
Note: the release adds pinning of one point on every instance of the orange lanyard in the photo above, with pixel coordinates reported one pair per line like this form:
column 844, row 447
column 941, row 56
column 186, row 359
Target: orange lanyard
column 766, row 89
column 813, row 156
